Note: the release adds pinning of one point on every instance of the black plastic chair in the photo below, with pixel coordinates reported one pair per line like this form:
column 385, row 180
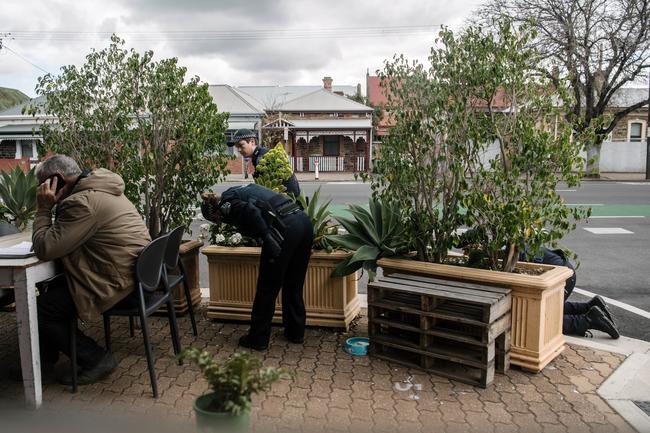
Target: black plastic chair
column 149, row 272
column 172, row 261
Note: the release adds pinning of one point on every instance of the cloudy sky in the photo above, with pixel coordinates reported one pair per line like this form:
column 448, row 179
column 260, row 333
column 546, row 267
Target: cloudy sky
column 237, row 42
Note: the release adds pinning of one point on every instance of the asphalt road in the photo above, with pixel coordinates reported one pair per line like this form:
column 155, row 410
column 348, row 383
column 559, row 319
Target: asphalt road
column 613, row 265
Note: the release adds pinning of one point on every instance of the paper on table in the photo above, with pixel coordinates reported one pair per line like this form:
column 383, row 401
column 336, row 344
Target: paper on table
column 23, row 249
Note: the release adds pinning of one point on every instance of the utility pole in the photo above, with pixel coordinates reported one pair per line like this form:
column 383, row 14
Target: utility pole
column 647, row 137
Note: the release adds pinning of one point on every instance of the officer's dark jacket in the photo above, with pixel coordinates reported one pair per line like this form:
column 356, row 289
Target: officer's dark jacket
column 242, row 206
column 556, row 258
column 290, row 184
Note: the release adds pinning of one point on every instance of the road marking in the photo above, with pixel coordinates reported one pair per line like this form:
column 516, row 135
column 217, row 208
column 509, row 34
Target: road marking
column 608, row 231
column 619, row 304
column 585, row 204
column 617, row 216
column 634, row 183
column 565, row 190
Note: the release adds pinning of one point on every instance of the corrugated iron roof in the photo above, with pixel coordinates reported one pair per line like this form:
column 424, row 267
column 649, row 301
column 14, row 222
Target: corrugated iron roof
column 322, row 100
column 332, row 123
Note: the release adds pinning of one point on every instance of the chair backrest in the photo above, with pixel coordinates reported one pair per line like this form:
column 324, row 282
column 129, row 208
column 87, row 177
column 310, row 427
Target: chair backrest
column 148, row 268
column 8, row 229
column 173, row 247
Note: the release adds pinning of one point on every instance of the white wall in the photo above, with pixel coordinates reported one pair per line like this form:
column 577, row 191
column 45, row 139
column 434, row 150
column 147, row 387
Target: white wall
column 623, row 157
column 615, row 156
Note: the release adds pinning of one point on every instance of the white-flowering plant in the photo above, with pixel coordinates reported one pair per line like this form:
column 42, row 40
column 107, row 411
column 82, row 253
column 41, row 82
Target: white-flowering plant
column 227, row 236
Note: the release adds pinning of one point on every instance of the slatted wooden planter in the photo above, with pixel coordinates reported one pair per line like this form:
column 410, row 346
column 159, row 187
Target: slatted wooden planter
column 453, row 329
column 537, row 304
column 330, row 302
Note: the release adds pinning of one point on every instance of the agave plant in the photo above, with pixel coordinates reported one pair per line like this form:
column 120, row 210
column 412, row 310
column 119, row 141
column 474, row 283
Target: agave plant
column 18, row 195
column 373, row 233
column 321, row 219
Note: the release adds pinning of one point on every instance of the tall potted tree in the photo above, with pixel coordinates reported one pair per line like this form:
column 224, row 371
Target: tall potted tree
column 480, row 140
column 148, row 122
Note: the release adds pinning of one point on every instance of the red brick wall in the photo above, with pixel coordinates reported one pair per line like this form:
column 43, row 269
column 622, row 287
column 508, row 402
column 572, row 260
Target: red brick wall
column 7, row 164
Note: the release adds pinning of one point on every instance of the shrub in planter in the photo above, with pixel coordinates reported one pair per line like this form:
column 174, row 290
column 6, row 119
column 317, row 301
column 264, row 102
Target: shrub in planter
column 143, row 119
column 482, row 96
column 232, row 384
column 274, row 169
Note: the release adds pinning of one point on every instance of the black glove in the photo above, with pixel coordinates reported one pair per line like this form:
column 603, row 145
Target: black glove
column 273, row 242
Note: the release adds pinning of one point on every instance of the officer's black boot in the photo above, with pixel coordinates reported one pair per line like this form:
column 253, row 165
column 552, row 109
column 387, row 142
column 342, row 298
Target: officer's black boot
column 248, row 342
column 599, row 302
column 598, row 320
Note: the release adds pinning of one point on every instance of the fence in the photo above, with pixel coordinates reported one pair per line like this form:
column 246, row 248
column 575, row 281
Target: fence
column 361, row 163
column 296, row 163
column 326, row 163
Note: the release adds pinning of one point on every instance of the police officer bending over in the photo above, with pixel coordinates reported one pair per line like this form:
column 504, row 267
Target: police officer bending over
column 287, row 236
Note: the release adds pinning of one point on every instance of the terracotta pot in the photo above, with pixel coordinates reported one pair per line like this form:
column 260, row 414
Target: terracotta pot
column 331, row 302
column 537, row 304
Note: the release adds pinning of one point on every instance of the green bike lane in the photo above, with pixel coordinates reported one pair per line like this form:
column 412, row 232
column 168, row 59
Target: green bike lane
column 597, row 210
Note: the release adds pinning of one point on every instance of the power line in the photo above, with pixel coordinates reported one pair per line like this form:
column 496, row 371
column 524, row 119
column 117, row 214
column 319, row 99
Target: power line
column 4, row 45
column 229, row 35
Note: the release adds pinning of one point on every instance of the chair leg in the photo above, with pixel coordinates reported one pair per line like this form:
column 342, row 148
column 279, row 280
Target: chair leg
column 173, row 327
column 131, row 326
column 147, row 347
column 73, row 352
column 107, row 332
column 188, row 297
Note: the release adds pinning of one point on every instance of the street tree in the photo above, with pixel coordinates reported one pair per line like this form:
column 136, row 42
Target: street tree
column 598, row 46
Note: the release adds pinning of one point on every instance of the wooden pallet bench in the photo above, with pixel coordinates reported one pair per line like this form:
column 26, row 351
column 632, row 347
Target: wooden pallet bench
column 453, row 329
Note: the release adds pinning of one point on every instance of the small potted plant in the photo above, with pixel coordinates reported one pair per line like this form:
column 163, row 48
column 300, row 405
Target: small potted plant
column 232, row 384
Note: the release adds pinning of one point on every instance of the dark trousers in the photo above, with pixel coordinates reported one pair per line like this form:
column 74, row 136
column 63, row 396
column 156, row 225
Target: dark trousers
column 574, row 321
column 55, row 310
column 286, row 272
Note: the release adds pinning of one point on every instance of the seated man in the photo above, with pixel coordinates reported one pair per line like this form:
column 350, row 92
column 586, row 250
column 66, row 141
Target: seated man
column 97, row 234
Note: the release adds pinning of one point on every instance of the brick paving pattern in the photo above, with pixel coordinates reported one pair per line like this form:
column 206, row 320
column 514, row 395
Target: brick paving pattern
column 332, row 391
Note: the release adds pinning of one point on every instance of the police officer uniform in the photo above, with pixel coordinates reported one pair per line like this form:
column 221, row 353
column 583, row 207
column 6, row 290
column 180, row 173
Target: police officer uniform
column 579, row 317
column 290, row 184
column 287, row 235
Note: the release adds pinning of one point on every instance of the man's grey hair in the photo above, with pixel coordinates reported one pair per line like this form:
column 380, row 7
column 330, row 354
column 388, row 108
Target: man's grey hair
column 57, row 164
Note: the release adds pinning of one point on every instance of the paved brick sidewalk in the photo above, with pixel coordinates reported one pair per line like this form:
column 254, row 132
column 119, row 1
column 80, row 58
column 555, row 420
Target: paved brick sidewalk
column 332, row 391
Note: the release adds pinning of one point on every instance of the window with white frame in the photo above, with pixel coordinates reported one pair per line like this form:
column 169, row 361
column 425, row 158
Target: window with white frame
column 635, row 130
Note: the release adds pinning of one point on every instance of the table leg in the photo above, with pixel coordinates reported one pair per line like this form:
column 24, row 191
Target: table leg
column 30, row 359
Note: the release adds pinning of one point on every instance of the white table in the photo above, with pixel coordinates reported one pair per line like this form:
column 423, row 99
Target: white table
column 22, row 275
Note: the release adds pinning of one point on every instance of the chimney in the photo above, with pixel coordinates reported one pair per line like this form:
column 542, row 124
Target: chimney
column 327, row 83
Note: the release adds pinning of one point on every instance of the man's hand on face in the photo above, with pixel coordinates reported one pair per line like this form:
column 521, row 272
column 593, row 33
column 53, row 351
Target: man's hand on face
column 46, row 195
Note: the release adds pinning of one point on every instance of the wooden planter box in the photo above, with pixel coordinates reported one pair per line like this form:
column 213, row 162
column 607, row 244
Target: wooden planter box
column 189, row 255
column 537, row 304
column 331, row 302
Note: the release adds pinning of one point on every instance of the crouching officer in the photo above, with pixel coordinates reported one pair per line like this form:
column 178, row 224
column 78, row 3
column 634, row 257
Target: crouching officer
column 245, row 140
column 287, row 236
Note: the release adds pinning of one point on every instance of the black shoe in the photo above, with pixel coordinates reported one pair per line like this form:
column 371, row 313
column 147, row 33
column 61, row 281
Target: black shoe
column 294, row 339
column 599, row 321
column 91, row 375
column 599, row 302
column 247, row 342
